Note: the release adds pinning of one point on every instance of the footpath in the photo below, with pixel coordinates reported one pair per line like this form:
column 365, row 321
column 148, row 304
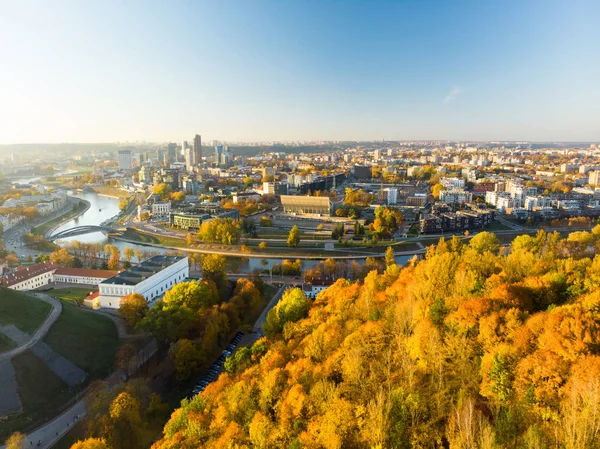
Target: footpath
column 46, row 436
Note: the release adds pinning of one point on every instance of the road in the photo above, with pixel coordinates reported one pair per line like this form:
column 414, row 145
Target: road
column 257, row 333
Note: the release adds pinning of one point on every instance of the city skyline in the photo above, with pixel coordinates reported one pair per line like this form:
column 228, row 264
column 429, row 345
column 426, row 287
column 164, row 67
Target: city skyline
column 266, row 71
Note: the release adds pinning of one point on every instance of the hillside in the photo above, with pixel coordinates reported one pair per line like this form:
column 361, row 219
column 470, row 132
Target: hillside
column 473, row 347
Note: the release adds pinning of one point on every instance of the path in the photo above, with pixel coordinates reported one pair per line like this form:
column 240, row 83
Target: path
column 249, row 339
column 41, row 331
column 54, row 430
column 10, row 402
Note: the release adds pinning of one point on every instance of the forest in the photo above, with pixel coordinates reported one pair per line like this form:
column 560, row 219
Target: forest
column 475, row 346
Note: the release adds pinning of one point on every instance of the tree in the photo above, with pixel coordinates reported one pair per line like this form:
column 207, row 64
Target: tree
column 91, row 443
column 292, row 307
column 133, row 308
column 189, row 239
column 484, row 242
column 62, row 257
column 294, row 237
column 213, row 269
column 128, row 253
column 114, row 261
column 389, row 257
column 436, row 189
column 164, row 190
column 124, row 357
column 186, row 358
column 123, row 203
column 263, row 245
column 12, row 260
column 145, row 216
column 16, row 441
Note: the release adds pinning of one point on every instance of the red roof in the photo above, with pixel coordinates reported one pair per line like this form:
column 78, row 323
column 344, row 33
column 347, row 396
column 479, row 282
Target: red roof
column 93, row 295
column 24, row 273
column 85, row 272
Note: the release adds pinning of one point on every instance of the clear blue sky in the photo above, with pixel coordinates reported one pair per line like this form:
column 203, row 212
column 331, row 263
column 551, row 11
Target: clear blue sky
column 99, row 71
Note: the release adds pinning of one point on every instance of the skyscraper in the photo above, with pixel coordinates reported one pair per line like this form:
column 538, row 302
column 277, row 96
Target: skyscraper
column 218, row 154
column 189, row 159
column 197, row 149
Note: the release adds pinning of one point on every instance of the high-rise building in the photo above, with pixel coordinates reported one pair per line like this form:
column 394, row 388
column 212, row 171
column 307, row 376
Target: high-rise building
column 125, row 159
column 218, row 154
column 594, row 178
column 171, row 153
column 189, row 159
column 197, row 149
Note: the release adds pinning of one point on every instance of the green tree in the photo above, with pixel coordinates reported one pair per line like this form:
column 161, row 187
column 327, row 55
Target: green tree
column 294, row 237
column 485, row 241
column 292, row 307
column 186, row 358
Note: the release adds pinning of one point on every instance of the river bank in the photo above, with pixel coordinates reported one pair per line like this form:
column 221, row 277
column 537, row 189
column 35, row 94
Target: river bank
column 65, row 218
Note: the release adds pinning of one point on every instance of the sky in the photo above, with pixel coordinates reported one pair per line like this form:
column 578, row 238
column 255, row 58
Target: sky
column 245, row 70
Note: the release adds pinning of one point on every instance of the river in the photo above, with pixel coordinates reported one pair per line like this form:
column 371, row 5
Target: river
column 102, row 208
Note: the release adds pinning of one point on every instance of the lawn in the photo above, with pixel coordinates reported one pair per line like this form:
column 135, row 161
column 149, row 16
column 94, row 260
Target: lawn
column 6, row 343
column 23, row 311
column 86, row 338
column 43, row 394
column 497, row 226
column 71, row 294
column 153, row 239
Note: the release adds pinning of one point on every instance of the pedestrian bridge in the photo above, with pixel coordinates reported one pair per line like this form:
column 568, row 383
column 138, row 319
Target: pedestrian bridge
column 81, row 230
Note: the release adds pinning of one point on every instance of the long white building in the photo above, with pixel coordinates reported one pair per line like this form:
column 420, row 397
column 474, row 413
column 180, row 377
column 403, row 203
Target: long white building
column 152, row 278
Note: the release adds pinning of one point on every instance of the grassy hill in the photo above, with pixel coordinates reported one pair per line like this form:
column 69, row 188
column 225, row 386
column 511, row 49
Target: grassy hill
column 23, row 311
column 87, row 339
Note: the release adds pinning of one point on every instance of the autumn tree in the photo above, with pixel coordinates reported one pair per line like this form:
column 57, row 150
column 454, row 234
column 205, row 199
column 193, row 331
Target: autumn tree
column 91, row 443
column 123, row 203
column 133, row 308
column 16, row 441
column 62, row 257
column 294, row 237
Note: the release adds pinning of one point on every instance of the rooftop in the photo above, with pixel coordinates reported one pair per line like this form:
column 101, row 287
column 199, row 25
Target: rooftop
column 67, row 271
column 143, row 271
column 23, row 273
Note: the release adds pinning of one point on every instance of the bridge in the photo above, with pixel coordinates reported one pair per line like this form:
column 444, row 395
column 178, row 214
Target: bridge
column 80, row 230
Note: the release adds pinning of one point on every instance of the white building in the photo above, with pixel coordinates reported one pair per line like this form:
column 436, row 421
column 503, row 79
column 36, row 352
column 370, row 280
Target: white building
column 505, row 202
column 161, row 209
column 450, row 183
column 455, row 196
column 82, row 276
column 30, row 278
column 311, row 290
column 125, row 159
column 392, row 195
column 537, row 202
column 152, row 278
